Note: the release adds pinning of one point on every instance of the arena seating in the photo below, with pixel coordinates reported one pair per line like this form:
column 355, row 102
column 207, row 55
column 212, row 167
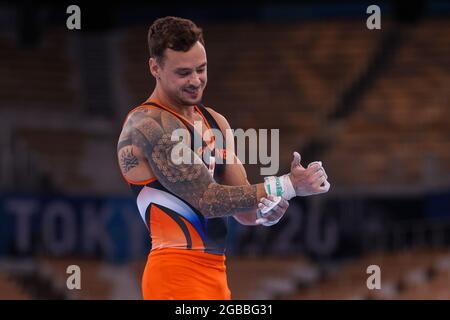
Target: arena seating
column 9, row 290
column 411, row 274
column 400, row 131
column 40, row 77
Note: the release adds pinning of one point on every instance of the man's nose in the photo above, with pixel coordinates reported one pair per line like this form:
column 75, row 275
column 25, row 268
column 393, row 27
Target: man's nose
column 195, row 79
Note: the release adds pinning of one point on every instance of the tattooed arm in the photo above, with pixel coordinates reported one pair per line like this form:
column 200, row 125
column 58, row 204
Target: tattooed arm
column 128, row 160
column 151, row 135
column 234, row 173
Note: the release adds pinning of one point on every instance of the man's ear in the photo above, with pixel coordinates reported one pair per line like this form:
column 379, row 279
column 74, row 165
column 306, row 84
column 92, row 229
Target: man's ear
column 154, row 67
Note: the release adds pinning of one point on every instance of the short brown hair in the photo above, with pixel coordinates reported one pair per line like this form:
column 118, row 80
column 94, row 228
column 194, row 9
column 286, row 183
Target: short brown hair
column 171, row 32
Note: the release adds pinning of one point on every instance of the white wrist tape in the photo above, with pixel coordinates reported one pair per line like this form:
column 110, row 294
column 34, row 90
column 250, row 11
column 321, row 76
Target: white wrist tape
column 279, row 186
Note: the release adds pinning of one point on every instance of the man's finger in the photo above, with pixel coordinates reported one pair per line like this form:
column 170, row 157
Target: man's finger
column 321, row 167
column 297, row 157
column 318, row 174
column 274, row 217
column 261, row 220
column 296, row 161
column 284, row 204
column 313, row 169
column 266, row 202
column 325, row 174
column 275, row 214
column 269, row 204
column 315, row 162
column 326, row 187
column 319, row 182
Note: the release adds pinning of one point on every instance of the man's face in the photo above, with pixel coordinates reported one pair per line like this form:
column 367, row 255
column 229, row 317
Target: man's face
column 183, row 75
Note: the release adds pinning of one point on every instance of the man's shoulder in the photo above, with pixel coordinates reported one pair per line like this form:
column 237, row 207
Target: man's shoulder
column 221, row 120
column 145, row 113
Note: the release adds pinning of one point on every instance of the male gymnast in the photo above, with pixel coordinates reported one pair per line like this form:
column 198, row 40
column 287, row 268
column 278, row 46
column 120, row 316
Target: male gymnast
column 186, row 206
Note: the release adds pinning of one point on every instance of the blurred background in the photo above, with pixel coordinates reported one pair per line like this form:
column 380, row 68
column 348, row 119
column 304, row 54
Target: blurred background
column 372, row 105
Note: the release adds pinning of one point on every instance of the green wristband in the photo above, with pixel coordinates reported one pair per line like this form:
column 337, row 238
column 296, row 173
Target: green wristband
column 279, row 189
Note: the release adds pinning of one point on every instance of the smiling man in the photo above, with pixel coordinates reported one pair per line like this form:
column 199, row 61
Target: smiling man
column 186, row 206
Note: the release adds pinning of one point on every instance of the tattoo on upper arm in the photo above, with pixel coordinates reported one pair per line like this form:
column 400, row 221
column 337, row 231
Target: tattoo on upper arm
column 191, row 182
column 128, row 160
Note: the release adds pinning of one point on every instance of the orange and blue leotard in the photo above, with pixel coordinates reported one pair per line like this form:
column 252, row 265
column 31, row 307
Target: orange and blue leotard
column 187, row 256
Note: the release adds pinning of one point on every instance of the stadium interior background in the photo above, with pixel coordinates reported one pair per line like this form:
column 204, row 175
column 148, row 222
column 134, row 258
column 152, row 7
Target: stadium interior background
column 372, row 105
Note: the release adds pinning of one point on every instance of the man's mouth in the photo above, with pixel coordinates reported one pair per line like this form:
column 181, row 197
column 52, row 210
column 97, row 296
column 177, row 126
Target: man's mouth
column 193, row 93
column 192, row 90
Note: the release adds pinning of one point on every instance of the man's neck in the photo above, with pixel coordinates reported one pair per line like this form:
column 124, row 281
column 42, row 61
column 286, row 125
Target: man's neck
column 185, row 111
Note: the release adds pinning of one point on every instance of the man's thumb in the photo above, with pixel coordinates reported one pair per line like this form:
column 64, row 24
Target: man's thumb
column 296, row 161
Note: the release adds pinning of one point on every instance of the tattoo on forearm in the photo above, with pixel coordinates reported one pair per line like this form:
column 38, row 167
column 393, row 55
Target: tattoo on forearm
column 219, row 198
column 191, row 182
column 128, row 160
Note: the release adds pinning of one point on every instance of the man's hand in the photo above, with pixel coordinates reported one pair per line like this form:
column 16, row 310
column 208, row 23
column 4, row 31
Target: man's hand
column 274, row 215
column 309, row 181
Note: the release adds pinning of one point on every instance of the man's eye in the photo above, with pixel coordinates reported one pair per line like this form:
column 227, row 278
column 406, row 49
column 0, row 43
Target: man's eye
column 201, row 70
column 183, row 74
